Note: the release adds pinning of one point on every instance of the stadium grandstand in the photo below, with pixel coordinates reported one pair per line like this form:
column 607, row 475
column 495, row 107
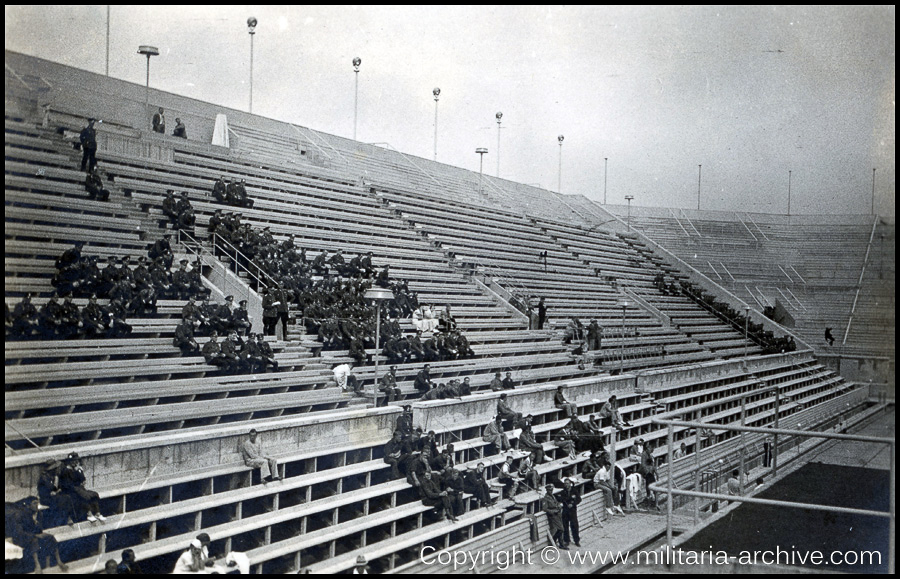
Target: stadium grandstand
column 652, row 316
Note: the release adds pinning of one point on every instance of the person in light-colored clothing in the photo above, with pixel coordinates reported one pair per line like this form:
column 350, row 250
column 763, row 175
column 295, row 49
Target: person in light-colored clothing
column 252, row 453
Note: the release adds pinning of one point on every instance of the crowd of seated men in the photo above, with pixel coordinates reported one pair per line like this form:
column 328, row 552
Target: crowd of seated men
column 232, row 193
column 771, row 344
column 329, row 293
column 179, row 211
column 233, row 354
column 414, row 454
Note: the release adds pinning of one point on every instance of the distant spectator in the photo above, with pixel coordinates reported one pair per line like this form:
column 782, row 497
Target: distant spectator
column 609, row 414
column 71, row 482
column 129, row 565
column 494, row 435
column 734, row 484
column 24, row 529
column 829, row 337
column 496, row 383
column 88, row 140
column 394, row 454
column 681, row 451
column 542, row 307
column 474, row 483
column 252, row 453
column 388, row 385
column 553, row 508
column 93, row 184
column 559, row 400
column 111, row 567
column 159, row 122
column 507, row 413
column 180, row 129
column 191, row 561
column 60, row 507
column 508, row 383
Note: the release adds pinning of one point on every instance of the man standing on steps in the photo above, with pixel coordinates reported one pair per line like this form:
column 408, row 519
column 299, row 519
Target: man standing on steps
column 88, row 140
column 251, row 452
column 541, row 307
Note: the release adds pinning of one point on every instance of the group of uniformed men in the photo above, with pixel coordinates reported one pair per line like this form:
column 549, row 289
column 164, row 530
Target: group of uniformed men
column 232, row 193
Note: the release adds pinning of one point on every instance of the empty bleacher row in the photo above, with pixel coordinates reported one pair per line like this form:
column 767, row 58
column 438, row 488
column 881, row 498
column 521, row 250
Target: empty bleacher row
column 810, row 269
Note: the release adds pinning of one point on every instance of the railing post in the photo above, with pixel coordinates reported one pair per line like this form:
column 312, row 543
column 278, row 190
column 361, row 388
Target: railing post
column 669, row 490
column 697, row 471
column 775, row 442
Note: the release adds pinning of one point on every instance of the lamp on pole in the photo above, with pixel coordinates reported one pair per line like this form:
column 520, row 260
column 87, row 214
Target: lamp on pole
column 378, row 295
column 356, row 62
column 498, row 116
column 107, row 39
column 148, row 51
column 437, row 93
column 699, row 174
column 873, row 191
column 481, row 152
column 789, row 193
column 251, row 28
column 559, row 176
column 629, row 198
column 605, row 159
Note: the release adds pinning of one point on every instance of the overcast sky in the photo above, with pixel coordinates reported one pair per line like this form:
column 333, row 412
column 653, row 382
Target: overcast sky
column 749, row 92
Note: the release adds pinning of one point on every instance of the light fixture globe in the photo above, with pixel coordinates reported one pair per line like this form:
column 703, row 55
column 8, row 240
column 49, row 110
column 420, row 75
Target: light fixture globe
column 356, row 62
column 499, row 116
column 251, row 24
column 436, row 92
column 560, row 139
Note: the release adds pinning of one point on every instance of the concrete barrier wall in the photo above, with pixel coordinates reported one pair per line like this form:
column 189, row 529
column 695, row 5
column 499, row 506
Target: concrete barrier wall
column 108, row 462
column 481, row 408
column 861, row 368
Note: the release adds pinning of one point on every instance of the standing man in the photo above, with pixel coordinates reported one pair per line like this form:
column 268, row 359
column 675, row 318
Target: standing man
column 570, row 499
column 553, row 508
column 159, row 122
column 251, row 452
column 88, row 140
column 541, row 307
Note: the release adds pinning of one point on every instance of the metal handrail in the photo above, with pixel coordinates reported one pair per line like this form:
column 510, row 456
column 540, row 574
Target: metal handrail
column 197, row 248
column 217, row 239
column 671, row 492
column 859, row 283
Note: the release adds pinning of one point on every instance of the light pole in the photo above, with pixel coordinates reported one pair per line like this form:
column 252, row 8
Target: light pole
column 559, row 176
column 107, row 39
column 481, row 152
column 378, row 295
column 699, row 174
column 605, row 159
column 251, row 28
column 148, row 51
column 789, row 193
column 873, row 191
column 498, row 116
column 437, row 93
column 629, row 198
column 356, row 62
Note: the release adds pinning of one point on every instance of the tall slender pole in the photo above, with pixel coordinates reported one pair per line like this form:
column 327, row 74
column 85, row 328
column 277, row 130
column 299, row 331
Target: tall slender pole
column 437, row 93
column 670, row 439
column 559, row 176
column 699, row 174
column 605, row 159
column 789, row 193
column 147, row 87
column 873, row 191
column 746, row 332
column 356, row 62
column 107, row 40
column 498, row 116
column 251, row 29
column 355, row 102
